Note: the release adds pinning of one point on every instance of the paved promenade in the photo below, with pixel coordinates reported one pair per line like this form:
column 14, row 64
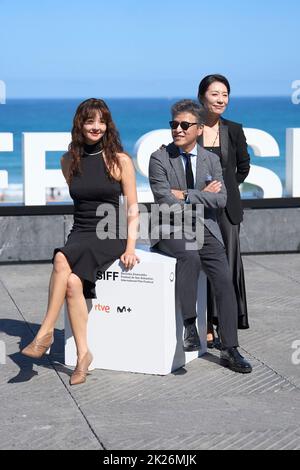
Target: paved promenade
column 201, row 406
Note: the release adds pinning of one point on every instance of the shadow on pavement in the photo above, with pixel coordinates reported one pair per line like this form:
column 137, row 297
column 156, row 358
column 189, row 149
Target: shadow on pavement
column 26, row 333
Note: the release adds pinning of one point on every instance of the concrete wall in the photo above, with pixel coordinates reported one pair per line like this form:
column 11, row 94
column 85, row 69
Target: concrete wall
column 33, row 238
column 270, row 230
column 30, row 238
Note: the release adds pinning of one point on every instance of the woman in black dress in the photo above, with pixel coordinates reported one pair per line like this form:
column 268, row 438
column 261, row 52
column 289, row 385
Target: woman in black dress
column 227, row 140
column 98, row 172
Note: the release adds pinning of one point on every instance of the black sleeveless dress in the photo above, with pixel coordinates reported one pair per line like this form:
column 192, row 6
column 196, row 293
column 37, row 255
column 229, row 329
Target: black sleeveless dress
column 95, row 241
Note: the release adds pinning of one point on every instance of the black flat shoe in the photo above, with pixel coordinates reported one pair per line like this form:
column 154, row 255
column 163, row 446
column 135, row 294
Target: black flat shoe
column 191, row 340
column 217, row 344
column 214, row 344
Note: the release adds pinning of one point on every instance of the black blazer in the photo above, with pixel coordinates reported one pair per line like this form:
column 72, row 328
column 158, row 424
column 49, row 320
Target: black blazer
column 235, row 163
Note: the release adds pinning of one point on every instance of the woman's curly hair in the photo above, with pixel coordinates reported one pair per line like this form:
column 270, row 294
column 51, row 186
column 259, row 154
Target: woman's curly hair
column 111, row 142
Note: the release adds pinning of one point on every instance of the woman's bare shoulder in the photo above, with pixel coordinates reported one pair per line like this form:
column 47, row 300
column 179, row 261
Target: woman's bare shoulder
column 124, row 159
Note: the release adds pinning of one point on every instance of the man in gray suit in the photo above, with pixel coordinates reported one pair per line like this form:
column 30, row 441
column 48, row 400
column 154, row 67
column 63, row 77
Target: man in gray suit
column 182, row 175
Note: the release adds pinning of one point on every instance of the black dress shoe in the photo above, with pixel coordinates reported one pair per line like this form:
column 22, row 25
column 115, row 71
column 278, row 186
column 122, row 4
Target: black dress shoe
column 232, row 359
column 191, row 340
column 214, row 344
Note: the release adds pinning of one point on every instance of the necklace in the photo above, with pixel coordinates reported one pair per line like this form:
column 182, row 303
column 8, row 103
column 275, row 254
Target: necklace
column 96, row 153
column 216, row 137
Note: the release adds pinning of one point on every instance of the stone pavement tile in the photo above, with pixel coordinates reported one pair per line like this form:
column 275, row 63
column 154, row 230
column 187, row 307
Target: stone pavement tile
column 27, row 284
column 165, row 424
column 201, row 406
column 274, row 307
column 194, row 408
column 48, row 434
column 37, row 410
column 276, row 350
column 286, row 265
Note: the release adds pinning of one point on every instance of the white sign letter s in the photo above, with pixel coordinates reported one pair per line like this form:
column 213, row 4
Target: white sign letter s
column 263, row 145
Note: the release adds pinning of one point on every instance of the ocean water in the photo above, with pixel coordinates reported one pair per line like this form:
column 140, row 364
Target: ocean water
column 135, row 117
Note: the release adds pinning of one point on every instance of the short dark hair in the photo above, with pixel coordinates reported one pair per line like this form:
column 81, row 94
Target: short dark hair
column 189, row 106
column 208, row 80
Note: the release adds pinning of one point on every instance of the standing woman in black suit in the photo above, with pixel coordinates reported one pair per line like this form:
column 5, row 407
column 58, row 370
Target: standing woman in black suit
column 227, row 140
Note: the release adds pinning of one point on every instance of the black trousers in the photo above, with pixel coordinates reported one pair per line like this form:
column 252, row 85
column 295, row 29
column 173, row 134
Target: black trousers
column 213, row 260
column 231, row 237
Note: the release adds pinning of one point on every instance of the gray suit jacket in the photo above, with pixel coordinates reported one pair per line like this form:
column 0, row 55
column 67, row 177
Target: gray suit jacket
column 166, row 172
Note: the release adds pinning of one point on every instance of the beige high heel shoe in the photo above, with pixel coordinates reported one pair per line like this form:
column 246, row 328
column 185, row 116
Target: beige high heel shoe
column 38, row 347
column 81, row 370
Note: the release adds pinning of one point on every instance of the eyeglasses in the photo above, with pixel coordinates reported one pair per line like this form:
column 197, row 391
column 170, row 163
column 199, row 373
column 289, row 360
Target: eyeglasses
column 183, row 124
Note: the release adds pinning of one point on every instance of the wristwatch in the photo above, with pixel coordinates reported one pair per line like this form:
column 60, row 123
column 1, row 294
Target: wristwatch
column 185, row 194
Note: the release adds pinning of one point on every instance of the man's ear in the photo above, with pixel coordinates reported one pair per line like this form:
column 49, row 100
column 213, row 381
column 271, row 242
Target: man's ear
column 200, row 130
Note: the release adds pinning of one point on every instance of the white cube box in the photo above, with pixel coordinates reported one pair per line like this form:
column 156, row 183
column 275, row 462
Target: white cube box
column 135, row 323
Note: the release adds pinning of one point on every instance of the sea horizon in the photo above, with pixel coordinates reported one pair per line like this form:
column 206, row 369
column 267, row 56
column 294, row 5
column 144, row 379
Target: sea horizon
column 50, row 98
column 135, row 117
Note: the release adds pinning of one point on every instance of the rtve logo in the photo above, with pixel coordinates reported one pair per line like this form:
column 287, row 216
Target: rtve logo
column 107, row 275
column 102, row 308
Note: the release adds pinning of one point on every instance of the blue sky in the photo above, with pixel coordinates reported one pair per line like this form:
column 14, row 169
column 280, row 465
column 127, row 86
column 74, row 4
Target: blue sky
column 152, row 48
